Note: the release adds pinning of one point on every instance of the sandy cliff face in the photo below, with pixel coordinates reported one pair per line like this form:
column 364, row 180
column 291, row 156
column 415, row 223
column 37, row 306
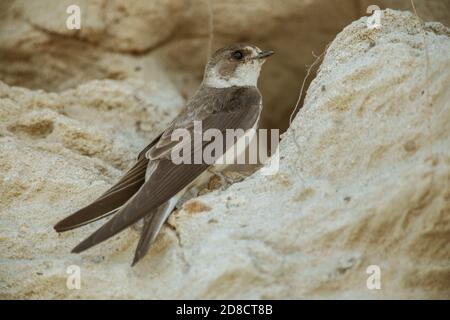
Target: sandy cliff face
column 122, row 39
column 364, row 173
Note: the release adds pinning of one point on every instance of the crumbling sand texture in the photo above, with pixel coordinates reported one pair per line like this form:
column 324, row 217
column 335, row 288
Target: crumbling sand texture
column 364, row 180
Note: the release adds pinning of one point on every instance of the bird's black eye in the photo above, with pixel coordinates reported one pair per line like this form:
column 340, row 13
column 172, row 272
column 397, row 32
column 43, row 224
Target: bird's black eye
column 237, row 55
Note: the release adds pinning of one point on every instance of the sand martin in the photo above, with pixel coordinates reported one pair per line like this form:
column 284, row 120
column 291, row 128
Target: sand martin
column 228, row 98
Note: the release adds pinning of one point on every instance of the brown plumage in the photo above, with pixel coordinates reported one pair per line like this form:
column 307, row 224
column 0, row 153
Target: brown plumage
column 136, row 196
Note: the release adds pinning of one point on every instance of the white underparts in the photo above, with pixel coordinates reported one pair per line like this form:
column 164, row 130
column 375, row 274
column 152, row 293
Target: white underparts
column 232, row 155
column 245, row 75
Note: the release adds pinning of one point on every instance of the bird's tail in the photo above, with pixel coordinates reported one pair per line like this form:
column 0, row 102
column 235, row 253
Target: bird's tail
column 152, row 224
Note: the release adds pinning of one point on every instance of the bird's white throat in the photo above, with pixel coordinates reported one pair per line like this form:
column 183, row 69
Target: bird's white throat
column 245, row 75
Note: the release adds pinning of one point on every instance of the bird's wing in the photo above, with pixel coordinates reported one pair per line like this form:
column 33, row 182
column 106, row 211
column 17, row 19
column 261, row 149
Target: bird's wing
column 169, row 178
column 165, row 144
column 111, row 201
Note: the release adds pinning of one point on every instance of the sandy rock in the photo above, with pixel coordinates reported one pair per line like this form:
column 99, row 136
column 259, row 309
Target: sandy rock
column 123, row 39
column 364, row 180
column 57, row 153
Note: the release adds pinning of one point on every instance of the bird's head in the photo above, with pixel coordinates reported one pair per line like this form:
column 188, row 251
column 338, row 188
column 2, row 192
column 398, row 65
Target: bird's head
column 235, row 65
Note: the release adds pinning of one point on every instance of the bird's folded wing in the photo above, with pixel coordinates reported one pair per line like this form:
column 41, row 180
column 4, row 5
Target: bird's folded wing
column 169, row 178
column 111, row 200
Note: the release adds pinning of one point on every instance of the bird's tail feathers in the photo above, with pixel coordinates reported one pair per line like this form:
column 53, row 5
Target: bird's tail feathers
column 152, row 225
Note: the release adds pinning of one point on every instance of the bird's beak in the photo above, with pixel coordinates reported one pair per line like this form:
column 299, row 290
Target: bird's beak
column 264, row 54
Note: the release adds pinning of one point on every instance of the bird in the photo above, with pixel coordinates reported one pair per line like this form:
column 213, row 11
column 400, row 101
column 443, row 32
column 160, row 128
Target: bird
column 227, row 98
